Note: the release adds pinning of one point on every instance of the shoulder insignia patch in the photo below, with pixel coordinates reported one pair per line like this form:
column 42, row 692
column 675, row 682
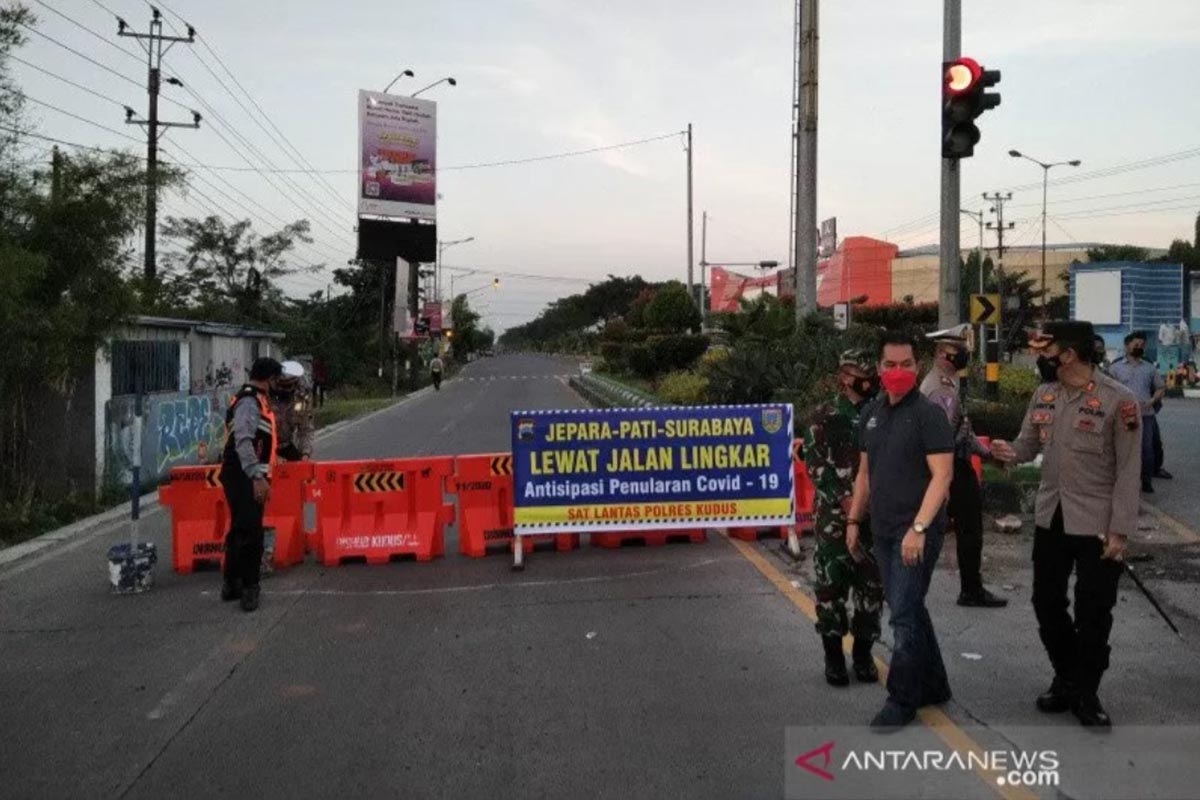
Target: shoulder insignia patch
column 947, row 381
column 1131, row 415
column 1048, row 397
column 1039, row 417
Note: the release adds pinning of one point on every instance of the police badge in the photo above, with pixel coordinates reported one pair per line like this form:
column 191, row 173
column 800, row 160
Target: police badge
column 525, row 430
column 772, row 419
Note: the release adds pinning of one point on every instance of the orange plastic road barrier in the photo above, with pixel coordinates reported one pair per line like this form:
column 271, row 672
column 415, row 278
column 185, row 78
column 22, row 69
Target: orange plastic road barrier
column 379, row 509
column 805, row 496
column 200, row 515
column 649, row 538
column 484, row 487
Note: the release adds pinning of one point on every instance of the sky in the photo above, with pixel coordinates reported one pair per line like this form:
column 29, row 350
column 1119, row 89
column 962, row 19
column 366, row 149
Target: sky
column 1110, row 83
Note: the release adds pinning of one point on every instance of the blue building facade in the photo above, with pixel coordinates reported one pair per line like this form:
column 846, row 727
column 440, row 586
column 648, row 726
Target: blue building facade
column 1149, row 295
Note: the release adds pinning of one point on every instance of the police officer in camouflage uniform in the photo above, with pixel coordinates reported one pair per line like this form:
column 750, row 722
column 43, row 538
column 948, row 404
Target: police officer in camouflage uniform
column 831, row 458
column 952, row 352
column 291, row 401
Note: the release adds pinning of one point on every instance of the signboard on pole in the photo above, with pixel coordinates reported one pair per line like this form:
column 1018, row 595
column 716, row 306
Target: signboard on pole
column 433, row 312
column 827, row 238
column 841, row 316
column 627, row 469
column 397, row 156
column 985, row 309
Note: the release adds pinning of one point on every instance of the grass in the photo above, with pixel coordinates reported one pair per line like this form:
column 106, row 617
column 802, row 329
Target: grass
column 342, row 408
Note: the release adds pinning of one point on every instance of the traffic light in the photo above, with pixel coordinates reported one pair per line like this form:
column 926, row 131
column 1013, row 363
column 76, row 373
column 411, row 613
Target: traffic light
column 964, row 97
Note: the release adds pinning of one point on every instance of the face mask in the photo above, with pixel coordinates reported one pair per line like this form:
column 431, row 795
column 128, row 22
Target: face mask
column 958, row 359
column 898, row 381
column 1137, row 352
column 865, row 388
column 1048, row 368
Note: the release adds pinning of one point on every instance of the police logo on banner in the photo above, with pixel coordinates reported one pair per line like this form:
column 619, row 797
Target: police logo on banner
column 525, row 430
column 772, row 420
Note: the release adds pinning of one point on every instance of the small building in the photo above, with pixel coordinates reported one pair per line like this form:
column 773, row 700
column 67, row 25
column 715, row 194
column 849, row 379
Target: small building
column 1119, row 297
column 187, row 370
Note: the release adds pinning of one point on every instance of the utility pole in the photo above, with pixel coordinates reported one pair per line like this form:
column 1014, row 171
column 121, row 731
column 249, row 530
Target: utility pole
column 703, row 261
column 993, row 368
column 805, row 256
column 978, row 217
column 152, row 43
column 949, row 272
column 55, row 175
column 691, row 286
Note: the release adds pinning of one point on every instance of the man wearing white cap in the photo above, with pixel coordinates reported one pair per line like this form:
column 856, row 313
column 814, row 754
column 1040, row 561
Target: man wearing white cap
column 292, row 404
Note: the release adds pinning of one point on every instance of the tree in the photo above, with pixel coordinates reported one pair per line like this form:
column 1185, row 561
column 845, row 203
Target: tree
column 1117, row 252
column 565, row 322
column 467, row 337
column 227, row 269
column 672, row 310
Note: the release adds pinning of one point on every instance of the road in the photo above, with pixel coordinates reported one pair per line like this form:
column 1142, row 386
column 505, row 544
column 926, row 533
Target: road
column 680, row 671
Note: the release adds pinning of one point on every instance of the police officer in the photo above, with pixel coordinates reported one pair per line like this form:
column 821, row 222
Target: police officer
column 831, row 458
column 291, row 401
column 250, row 437
column 951, row 354
column 435, row 372
column 1088, row 428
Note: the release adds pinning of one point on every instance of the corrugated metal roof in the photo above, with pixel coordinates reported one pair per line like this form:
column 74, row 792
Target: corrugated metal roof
column 208, row 328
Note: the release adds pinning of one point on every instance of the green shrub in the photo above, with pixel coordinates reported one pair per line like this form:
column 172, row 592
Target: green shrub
column 672, row 310
column 684, row 388
column 676, row 351
column 1018, row 383
column 615, row 356
column 999, row 420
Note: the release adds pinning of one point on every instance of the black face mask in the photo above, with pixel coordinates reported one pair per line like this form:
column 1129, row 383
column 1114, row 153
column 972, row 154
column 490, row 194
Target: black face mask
column 1137, row 352
column 1048, row 368
column 865, row 388
column 958, row 359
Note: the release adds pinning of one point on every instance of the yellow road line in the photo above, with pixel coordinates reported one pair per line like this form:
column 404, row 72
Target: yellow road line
column 934, row 718
column 1181, row 530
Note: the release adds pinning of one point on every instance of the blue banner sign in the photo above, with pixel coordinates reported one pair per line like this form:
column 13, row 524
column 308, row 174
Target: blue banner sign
column 652, row 468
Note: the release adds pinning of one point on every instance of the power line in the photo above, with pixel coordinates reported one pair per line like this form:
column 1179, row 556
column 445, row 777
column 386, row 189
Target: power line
column 523, row 275
column 53, row 107
column 87, row 58
column 79, row 86
column 83, row 27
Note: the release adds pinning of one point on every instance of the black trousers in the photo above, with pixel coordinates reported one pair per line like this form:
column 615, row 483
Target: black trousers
column 1078, row 648
column 1157, row 446
column 966, row 509
column 244, row 542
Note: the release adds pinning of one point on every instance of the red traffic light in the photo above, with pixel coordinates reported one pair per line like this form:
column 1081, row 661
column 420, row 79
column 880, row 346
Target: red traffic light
column 961, row 76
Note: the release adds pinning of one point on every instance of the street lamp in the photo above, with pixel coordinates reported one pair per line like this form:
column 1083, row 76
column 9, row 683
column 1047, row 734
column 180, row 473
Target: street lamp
column 1045, row 182
column 450, row 81
column 437, row 268
column 408, row 73
column 495, row 284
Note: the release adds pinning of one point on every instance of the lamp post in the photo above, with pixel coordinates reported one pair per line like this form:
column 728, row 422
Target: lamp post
column 437, row 268
column 1045, row 183
column 408, row 73
column 450, row 81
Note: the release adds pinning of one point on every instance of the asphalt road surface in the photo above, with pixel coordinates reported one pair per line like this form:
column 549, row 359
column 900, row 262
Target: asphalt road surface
column 680, row 671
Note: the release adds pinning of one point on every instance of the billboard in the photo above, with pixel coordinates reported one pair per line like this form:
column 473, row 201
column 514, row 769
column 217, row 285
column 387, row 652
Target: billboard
column 624, row 469
column 433, row 312
column 827, row 238
column 397, row 155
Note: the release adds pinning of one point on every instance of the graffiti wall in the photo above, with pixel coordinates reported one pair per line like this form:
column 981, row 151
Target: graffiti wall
column 178, row 429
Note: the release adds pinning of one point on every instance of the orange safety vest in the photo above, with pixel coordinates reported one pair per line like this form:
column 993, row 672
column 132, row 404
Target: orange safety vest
column 264, row 438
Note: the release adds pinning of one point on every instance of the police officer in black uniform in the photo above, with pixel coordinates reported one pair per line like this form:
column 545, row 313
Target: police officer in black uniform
column 246, row 477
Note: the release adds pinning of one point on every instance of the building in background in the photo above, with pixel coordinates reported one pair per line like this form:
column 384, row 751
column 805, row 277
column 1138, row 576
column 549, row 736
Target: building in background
column 1119, row 297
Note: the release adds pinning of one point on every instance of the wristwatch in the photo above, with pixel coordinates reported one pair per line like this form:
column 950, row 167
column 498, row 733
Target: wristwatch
column 919, row 527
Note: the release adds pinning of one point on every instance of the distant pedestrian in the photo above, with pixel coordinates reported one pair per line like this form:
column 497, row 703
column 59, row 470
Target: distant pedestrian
column 904, row 474
column 1088, row 428
column 951, row 354
column 435, row 372
column 831, row 458
column 246, row 477
column 1143, row 379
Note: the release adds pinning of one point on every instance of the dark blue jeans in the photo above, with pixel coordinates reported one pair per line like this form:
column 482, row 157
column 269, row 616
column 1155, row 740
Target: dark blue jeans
column 917, row 675
column 1149, row 430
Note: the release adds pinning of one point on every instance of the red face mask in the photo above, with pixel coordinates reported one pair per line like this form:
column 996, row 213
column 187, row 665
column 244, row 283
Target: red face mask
column 898, row 381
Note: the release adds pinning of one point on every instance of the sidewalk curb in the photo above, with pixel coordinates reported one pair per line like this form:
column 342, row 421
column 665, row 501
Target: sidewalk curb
column 110, row 519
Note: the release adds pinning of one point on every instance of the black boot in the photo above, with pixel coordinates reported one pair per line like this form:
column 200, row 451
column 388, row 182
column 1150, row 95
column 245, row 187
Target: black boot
column 1087, row 709
column 981, row 598
column 250, row 598
column 1058, row 697
column 835, row 662
column 864, row 665
column 231, row 589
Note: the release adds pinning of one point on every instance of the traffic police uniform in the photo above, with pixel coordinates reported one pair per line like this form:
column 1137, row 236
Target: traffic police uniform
column 1090, row 440
column 249, row 455
column 831, row 458
column 293, row 408
column 966, row 501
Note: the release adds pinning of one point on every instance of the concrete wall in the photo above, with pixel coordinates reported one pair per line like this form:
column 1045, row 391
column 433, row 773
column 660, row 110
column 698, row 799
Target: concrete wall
column 177, row 427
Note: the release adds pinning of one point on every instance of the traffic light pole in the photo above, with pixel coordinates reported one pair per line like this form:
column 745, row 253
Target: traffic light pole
column 805, row 257
column 949, row 272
